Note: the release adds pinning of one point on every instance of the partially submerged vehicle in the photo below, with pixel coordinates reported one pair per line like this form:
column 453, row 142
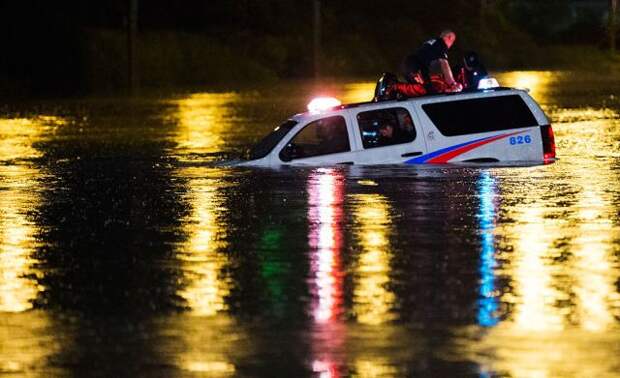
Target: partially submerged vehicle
column 489, row 125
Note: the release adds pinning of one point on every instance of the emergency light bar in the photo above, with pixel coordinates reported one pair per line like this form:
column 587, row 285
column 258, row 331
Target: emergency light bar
column 488, row 83
column 321, row 104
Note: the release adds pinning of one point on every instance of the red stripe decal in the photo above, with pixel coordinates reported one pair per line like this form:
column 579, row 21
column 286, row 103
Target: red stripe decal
column 444, row 158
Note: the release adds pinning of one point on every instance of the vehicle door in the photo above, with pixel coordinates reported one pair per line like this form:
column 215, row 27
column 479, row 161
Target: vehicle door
column 325, row 140
column 387, row 135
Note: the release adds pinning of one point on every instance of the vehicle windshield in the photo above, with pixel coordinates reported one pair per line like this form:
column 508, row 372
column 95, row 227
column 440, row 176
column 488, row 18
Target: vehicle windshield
column 264, row 147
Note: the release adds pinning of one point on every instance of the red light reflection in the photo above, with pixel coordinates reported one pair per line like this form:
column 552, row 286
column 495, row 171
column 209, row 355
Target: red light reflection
column 325, row 213
column 326, row 195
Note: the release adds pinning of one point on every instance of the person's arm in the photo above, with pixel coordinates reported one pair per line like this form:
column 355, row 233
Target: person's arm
column 446, row 71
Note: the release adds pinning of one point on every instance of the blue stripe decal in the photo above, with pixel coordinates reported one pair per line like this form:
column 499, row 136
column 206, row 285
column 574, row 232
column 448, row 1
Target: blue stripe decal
column 424, row 158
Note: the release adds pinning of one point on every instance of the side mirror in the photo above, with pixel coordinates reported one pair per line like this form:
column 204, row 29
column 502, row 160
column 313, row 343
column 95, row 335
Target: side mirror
column 289, row 152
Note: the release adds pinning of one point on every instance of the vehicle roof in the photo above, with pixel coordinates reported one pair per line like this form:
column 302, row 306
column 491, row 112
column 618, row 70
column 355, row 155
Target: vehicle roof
column 439, row 97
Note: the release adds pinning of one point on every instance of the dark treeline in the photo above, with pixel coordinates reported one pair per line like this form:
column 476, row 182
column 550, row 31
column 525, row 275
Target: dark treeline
column 70, row 46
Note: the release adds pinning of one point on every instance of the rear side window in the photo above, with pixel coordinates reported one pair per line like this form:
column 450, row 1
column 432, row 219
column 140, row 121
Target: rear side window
column 264, row 147
column 480, row 115
column 322, row 137
column 385, row 127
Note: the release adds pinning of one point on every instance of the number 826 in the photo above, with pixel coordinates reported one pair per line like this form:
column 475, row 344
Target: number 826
column 521, row 139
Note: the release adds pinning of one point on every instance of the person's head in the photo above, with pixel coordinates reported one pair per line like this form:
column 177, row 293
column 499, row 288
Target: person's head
column 471, row 61
column 448, row 37
column 406, row 121
column 386, row 130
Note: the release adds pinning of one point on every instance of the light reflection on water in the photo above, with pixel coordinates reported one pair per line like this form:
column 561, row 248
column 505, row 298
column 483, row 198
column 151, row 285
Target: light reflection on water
column 18, row 197
column 203, row 121
column 206, row 286
column 336, row 350
column 536, row 298
column 29, row 341
column 200, row 346
column 202, row 259
column 325, row 211
column 17, row 290
column 487, row 303
column 372, row 298
column 27, row 338
column 341, row 271
column 559, row 234
column 539, row 83
column 593, row 262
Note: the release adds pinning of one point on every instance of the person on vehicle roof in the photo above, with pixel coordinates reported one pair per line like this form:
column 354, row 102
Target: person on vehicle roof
column 431, row 61
column 471, row 71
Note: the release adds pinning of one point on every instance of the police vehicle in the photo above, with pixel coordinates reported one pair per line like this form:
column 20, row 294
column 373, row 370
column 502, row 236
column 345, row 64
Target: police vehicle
column 489, row 125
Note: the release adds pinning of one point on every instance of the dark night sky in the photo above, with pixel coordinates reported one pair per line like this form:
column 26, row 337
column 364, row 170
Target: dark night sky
column 50, row 44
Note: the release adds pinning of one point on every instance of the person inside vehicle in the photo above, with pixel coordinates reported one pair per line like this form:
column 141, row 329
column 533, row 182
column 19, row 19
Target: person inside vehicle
column 430, row 61
column 387, row 134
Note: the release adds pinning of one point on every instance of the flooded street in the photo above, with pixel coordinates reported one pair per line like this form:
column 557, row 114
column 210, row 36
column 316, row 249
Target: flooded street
column 127, row 247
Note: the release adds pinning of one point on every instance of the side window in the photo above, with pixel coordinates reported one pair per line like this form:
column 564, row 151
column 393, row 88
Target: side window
column 321, row 137
column 480, row 115
column 386, row 127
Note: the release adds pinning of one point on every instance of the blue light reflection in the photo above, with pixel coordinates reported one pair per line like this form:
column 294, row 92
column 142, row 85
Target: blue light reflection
column 487, row 302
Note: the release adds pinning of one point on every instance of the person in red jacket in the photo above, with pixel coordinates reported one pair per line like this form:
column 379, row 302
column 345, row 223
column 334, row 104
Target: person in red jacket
column 414, row 88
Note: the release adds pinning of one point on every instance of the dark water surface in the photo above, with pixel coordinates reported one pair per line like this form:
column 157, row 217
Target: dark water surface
column 126, row 249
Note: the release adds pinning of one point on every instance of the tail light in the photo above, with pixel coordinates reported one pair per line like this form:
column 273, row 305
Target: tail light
column 548, row 141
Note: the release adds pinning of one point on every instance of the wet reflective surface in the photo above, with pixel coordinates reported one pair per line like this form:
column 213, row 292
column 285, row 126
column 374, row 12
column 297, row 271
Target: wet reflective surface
column 127, row 248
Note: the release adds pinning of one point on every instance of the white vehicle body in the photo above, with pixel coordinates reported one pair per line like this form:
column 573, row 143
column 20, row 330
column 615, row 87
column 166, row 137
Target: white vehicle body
column 500, row 125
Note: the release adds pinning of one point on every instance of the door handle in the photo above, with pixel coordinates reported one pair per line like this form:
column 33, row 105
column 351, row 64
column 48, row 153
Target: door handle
column 409, row 154
column 346, row 163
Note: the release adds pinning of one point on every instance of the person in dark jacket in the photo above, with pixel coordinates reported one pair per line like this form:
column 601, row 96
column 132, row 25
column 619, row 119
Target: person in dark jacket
column 472, row 70
column 432, row 59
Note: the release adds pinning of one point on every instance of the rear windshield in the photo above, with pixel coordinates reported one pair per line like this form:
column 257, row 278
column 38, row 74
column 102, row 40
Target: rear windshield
column 480, row 115
column 264, row 147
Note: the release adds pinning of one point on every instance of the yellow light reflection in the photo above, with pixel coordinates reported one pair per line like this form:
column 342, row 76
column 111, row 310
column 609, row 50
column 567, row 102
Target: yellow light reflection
column 203, row 261
column 546, row 335
column 536, row 307
column 358, row 92
column 372, row 300
column 375, row 367
column 563, row 269
column 17, row 291
column 535, row 355
column 594, row 280
column 17, row 136
column 594, row 268
column 203, row 346
column 29, row 343
column 537, row 82
column 589, row 114
column 19, row 196
column 211, row 367
column 545, row 285
column 203, row 119
column 560, row 253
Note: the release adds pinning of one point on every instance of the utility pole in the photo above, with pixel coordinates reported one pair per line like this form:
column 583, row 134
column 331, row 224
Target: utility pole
column 317, row 38
column 482, row 15
column 132, row 31
column 613, row 11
